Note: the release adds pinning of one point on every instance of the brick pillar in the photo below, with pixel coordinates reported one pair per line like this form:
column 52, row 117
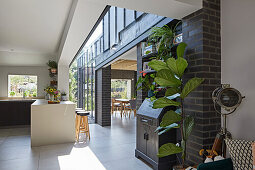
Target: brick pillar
column 103, row 96
column 141, row 94
column 201, row 31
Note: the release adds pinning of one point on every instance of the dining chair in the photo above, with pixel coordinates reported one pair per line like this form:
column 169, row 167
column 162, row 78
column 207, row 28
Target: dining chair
column 131, row 107
column 115, row 106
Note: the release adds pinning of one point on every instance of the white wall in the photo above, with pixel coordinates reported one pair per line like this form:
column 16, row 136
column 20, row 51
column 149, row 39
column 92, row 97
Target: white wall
column 63, row 79
column 238, row 62
column 42, row 74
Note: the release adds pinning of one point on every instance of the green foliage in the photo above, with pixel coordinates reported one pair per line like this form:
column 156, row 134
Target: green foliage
column 188, row 124
column 181, row 49
column 164, row 102
column 169, row 75
column 163, row 37
column 12, row 93
column 20, row 83
column 34, row 94
column 115, row 84
column 157, row 65
column 172, row 91
column 166, row 78
column 146, row 83
column 73, row 82
column 168, row 149
column 169, row 118
column 177, row 66
column 52, row 64
column 191, row 85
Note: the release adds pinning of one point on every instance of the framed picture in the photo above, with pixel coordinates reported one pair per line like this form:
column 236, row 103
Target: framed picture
column 149, row 49
column 177, row 39
column 146, row 67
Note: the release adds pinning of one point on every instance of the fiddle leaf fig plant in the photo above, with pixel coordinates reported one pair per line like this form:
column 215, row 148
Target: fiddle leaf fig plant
column 170, row 76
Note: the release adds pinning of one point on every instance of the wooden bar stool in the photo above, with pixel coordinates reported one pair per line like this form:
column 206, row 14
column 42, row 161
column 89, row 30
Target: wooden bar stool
column 76, row 118
column 82, row 124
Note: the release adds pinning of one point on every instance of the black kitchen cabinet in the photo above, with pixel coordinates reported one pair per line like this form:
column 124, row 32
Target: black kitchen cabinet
column 15, row 112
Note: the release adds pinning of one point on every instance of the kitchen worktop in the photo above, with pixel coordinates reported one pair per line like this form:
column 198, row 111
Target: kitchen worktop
column 45, row 102
column 18, row 100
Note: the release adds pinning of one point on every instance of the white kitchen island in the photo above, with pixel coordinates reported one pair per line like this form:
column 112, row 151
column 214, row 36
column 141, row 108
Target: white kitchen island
column 52, row 123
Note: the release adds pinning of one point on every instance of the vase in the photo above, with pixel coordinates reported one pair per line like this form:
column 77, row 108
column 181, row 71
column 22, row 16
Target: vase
column 51, row 97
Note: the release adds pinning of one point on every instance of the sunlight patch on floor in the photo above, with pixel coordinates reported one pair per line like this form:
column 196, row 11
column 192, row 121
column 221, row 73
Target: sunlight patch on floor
column 80, row 157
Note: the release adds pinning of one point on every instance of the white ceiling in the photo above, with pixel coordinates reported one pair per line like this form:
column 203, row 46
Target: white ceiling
column 88, row 11
column 32, row 31
column 130, row 54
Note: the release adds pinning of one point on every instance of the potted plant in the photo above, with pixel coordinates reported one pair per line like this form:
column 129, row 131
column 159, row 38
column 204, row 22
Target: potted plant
column 12, row 93
column 63, row 96
column 170, row 75
column 53, row 66
column 147, row 84
column 163, row 38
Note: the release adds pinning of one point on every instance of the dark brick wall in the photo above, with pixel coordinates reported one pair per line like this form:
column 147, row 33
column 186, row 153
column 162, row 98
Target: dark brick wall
column 123, row 74
column 141, row 94
column 201, row 31
column 103, row 96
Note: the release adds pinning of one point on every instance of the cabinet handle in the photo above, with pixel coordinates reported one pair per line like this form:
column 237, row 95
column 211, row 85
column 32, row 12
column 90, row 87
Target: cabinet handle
column 146, row 136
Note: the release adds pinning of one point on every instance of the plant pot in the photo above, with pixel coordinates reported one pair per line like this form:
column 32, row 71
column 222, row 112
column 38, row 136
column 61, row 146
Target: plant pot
column 53, row 70
column 53, row 83
column 179, row 167
column 64, row 98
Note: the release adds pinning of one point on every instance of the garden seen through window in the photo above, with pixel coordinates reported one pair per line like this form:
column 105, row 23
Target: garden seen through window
column 22, row 86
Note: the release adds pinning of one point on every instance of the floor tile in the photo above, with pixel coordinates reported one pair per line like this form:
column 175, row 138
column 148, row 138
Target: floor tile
column 20, row 164
column 109, row 148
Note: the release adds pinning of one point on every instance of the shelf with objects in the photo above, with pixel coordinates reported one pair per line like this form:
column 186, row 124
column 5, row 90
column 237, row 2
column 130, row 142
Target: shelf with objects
column 52, row 93
column 153, row 51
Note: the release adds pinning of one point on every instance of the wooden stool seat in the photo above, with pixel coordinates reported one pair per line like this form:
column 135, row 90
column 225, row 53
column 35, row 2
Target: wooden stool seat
column 82, row 113
column 82, row 125
column 79, row 110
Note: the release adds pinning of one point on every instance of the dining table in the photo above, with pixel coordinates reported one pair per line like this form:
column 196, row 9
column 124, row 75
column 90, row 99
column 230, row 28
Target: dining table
column 123, row 103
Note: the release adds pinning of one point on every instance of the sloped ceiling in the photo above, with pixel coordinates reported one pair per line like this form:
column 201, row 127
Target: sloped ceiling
column 31, row 32
column 88, row 11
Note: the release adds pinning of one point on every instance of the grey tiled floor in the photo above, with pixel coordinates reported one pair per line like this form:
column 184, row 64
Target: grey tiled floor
column 110, row 148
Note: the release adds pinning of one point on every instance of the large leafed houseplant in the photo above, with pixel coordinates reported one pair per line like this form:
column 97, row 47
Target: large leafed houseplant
column 170, row 76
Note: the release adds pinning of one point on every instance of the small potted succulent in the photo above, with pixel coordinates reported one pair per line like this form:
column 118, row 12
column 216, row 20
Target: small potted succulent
column 12, row 93
column 63, row 96
column 53, row 66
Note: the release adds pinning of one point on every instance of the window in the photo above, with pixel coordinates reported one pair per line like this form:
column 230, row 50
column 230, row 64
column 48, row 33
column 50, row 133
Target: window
column 22, row 85
column 121, row 89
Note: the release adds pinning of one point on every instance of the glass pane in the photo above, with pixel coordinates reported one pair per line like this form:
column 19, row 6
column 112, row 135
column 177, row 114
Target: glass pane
column 119, row 89
column 22, row 85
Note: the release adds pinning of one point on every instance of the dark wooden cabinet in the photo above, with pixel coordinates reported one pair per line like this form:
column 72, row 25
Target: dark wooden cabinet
column 15, row 112
column 148, row 141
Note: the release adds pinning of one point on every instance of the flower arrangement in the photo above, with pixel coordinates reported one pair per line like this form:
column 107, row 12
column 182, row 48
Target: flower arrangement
column 50, row 90
column 54, row 93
